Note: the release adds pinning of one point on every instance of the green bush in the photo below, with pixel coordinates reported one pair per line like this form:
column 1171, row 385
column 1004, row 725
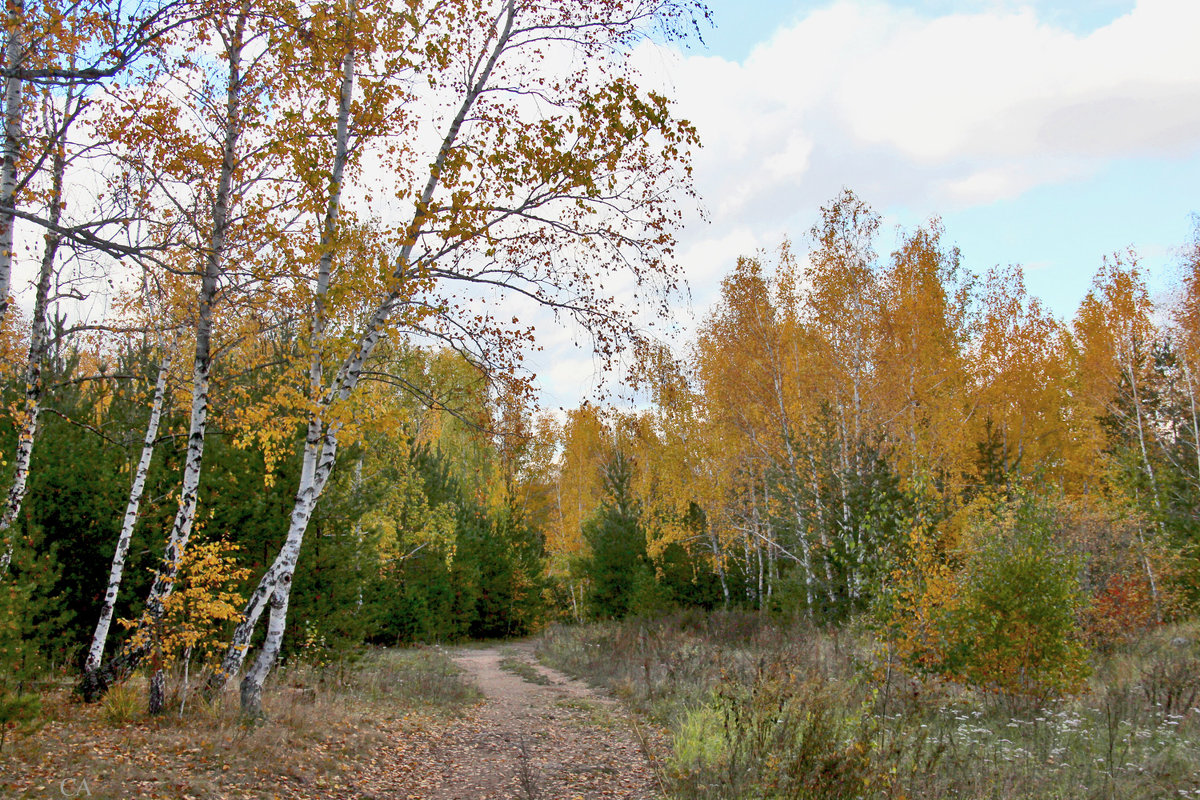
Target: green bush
column 618, row 566
column 1016, row 626
column 30, row 623
column 20, row 715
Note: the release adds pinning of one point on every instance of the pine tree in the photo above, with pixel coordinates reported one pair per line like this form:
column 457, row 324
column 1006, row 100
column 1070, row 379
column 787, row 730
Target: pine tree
column 618, row 565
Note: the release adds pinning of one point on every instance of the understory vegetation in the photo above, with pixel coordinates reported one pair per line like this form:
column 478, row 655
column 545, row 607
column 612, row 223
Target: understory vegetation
column 761, row 708
column 338, row 730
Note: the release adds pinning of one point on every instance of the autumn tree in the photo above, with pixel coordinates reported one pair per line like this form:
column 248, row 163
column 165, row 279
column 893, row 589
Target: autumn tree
column 1179, row 421
column 1186, row 319
column 1019, row 364
column 843, row 303
column 1115, row 340
column 511, row 191
column 677, row 483
column 218, row 174
column 922, row 376
column 586, row 443
column 58, row 117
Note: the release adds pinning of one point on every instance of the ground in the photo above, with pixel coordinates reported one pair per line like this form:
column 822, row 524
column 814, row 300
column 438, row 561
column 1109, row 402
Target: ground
column 403, row 725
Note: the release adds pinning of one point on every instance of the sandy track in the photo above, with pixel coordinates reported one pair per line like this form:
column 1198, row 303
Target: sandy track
column 559, row 741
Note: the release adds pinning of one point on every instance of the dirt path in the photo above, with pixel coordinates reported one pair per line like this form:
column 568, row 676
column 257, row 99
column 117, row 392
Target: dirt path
column 538, row 737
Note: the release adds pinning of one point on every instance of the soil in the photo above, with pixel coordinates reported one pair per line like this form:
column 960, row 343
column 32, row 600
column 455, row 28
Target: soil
column 553, row 739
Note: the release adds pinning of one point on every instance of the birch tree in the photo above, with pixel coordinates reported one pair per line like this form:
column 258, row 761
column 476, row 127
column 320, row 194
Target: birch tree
column 180, row 150
column 1186, row 319
column 1115, row 336
column 132, row 507
column 922, row 379
column 844, row 305
column 1020, row 363
column 39, row 335
column 544, row 180
column 755, row 363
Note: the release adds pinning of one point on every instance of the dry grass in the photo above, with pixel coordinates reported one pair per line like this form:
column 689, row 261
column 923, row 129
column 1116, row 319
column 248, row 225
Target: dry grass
column 331, row 733
column 757, row 709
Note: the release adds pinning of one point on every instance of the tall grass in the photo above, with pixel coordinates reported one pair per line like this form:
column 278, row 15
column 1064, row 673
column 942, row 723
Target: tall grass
column 759, row 709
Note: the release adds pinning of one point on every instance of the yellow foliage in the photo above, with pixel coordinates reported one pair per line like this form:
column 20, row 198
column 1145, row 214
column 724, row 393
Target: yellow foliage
column 928, row 592
column 203, row 599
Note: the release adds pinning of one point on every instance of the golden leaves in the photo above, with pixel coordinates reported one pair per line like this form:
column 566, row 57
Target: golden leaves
column 203, row 599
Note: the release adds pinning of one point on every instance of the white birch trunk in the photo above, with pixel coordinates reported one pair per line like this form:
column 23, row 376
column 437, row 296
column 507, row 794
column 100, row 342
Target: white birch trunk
column 1190, row 379
column 13, row 56
column 252, row 684
column 38, row 345
column 1130, row 373
column 284, row 569
column 96, row 651
column 714, row 544
column 824, row 521
column 306, row 497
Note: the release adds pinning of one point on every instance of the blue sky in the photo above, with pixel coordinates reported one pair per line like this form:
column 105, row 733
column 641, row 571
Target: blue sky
column 1060, row 229
column 1048, row 134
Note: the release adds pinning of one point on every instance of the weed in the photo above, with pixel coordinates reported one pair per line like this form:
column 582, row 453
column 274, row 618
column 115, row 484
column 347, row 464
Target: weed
column 123, row 704
column 524, row 670
column 422, row 677
column 757, row 708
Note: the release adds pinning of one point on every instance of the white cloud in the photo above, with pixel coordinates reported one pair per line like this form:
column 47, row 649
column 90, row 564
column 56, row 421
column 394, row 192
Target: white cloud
column 1009, row 85
column 963, row 109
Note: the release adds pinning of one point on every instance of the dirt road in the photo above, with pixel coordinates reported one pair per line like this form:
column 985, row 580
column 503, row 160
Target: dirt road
column 537, row 736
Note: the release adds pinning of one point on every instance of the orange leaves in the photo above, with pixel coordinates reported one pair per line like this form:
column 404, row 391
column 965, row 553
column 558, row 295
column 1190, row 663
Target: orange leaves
column 922, row 377
column 203, row 599
column 1020, row 369
column 585, row 447
column 1113, row 332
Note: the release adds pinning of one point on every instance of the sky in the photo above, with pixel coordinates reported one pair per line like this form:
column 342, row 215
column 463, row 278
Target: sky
column 1047, row 134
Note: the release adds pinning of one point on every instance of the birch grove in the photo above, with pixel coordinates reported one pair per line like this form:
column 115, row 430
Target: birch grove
column 272, row 236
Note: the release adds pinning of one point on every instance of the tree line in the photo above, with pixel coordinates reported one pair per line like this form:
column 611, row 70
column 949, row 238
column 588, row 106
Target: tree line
column 853, row 435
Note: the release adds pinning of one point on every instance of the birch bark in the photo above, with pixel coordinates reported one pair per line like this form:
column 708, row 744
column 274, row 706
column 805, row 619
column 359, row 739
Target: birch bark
column 97, row 681
column 96, row 650
column 14, row 54
column 38, row 345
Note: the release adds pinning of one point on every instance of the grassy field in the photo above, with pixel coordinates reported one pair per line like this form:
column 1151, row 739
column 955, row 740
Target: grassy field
column 332, row 732
column 754, row 709
column 749, row 708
